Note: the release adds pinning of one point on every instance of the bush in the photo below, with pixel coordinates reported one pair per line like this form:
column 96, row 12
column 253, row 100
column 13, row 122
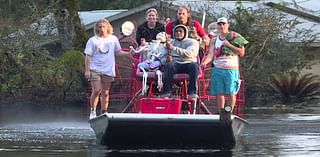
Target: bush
column 293, row 88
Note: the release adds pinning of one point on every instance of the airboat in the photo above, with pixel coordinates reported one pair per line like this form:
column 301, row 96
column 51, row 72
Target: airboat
column 151, row 121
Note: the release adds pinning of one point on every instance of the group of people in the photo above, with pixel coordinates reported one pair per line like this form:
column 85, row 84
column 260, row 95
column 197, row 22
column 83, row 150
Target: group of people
column 185, row 38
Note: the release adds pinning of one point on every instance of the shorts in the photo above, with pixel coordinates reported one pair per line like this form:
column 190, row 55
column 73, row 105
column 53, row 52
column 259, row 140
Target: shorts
column 97, row 76
column 225, row 81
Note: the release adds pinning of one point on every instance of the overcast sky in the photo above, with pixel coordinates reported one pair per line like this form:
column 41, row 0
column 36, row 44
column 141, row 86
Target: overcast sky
column 308, row 5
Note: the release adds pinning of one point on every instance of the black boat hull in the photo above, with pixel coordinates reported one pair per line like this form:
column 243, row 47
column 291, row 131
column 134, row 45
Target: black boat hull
column 166, row 130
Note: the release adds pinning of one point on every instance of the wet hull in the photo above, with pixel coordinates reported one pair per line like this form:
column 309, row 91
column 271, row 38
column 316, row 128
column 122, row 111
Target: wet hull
column 166, row 130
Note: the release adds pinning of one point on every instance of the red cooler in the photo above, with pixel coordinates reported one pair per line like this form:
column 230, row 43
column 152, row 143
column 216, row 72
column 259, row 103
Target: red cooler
column 161, row 105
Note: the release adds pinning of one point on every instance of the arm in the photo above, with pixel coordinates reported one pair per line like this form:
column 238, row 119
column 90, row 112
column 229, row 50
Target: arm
column 190, row 51
column 118, row 49
column 122, row 53
column 90, row 48
column 239, row 50
column 87, row 63
column 208, row 58
column 202, row 33
column 206, row 40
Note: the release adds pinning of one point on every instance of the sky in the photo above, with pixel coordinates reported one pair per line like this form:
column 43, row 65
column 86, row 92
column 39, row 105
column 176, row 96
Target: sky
column 310, row 6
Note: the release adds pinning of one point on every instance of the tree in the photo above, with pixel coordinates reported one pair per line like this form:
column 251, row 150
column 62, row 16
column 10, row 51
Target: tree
column 71, row 34
column 24, row 60
column 271, row 50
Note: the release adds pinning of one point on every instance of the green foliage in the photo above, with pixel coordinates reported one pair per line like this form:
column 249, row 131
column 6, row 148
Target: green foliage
column 13, row 84
column 43, row 79
column 296, row 89
column 19, row 10
column 273, row 45
column 269, row 51
column 65, row 74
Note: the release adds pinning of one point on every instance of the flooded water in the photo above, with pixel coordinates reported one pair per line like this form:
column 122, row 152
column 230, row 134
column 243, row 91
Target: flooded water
column 66, row 132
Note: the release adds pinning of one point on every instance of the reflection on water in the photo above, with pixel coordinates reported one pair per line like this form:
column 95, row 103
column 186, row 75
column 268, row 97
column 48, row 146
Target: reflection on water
column 160, row 153
column 268, row 134
column 45, row 139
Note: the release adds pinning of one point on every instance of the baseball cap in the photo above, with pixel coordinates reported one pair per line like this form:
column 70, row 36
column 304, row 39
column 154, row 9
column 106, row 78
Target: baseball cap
column 222, row 19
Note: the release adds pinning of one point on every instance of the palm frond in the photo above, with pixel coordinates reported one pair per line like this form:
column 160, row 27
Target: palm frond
column 295, row 88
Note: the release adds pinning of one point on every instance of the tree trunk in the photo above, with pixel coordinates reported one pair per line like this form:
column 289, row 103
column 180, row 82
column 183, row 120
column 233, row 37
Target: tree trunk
column 68, row 20
column 65, row 29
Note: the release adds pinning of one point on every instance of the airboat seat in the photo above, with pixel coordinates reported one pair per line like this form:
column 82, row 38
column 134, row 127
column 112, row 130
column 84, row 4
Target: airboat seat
column 151, row 74
column 177, row 77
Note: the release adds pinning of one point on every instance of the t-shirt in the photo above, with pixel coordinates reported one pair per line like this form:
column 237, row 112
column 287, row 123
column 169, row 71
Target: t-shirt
column 225, row 58
column 148, row 34
column 102, row 51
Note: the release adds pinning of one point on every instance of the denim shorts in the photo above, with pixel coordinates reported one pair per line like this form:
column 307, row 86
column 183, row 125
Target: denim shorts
column 225, row 81
column 149, row 66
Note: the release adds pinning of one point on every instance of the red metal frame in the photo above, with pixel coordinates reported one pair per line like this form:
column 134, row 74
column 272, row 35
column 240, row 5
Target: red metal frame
column 129, row 87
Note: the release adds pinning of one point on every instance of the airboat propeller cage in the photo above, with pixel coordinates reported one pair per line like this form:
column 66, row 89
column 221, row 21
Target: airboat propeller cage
column 127, row 28
column 212, row 29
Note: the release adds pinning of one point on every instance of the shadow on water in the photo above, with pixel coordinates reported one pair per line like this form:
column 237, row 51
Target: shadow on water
column 96, row 152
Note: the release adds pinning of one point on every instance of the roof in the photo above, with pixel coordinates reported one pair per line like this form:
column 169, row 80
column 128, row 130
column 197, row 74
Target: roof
column 155, row 4
column 88, row 17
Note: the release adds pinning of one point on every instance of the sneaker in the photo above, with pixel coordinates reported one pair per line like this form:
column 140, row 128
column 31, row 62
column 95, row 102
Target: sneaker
column 92, row 114
column 104, row 111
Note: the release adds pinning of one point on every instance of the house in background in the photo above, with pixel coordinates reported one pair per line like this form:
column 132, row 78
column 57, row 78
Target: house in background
column 135, row 15
column 309, row 19
column 307, row 13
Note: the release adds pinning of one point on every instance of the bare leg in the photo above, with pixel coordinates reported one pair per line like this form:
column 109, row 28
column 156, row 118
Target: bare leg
column 105, row 96
column 104, row 100
column 220, row 101
column 232, row 101
column 224, row 115
column 96, row 89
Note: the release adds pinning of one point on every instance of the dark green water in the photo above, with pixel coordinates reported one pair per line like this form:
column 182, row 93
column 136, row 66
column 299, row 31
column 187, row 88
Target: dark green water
column 27, row 132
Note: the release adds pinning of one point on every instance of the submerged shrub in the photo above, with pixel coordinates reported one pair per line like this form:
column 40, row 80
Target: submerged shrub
column 293, row 88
